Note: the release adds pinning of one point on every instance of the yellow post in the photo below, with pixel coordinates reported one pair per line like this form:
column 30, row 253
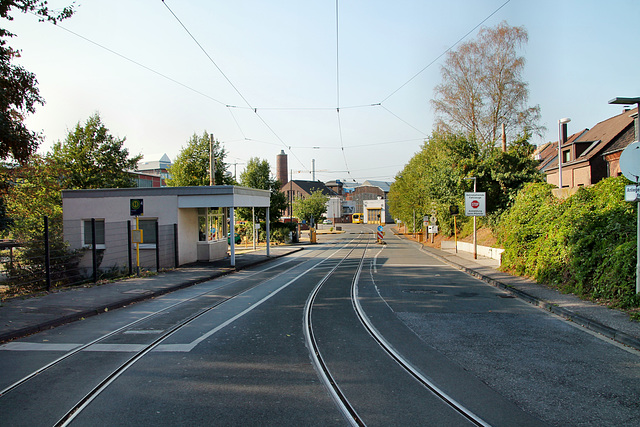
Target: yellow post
column 455, row 233
column 137, row 250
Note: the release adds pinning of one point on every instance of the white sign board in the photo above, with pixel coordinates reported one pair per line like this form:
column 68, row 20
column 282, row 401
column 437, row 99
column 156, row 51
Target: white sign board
column 475, row 204
column 631, row 193
column 432, row 229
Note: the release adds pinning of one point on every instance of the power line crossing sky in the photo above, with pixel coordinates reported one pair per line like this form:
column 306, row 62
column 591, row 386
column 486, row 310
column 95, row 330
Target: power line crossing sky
column 346, row 83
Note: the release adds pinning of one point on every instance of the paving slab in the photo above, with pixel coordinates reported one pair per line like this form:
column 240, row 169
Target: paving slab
column 20, row 317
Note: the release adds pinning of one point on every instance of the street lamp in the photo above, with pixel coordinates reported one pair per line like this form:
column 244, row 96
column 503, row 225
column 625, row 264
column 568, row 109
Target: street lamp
column 628, row 101
column 560, row 123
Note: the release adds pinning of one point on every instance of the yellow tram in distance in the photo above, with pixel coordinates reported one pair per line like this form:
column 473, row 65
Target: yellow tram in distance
column 357, row 218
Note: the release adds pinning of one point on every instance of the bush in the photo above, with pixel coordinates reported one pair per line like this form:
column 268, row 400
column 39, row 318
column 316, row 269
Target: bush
column 584, row 244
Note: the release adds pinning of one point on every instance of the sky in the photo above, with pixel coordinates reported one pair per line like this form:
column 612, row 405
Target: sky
column 346, row 83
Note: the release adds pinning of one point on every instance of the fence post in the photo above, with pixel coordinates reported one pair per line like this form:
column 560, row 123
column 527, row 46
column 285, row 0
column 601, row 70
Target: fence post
column 157, row 248
column 129, row 250
column 94, row 250
column 47, row 254
column 176, row 259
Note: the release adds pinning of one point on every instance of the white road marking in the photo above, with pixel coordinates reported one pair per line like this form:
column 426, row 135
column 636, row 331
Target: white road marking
column 37, row 346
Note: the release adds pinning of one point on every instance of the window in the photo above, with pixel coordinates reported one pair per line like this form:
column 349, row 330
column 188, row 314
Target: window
column 148, row 227
column 99, row 232
column 566, row 156
column 211, row 224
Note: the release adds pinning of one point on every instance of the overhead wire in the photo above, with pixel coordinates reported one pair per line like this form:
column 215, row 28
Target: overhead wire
column 446, row 51
column 139, row 64
column 230, row 82
column 255, row 109
column 344, row 156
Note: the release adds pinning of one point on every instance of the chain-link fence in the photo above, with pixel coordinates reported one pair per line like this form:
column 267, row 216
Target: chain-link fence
column 66, row 253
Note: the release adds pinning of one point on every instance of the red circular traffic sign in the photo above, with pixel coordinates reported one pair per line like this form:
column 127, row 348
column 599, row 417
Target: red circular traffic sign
column 475, row 204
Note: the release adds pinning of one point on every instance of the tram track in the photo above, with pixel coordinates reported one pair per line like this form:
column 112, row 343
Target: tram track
column 347, row 408
column 131, row 325
column 115, row 372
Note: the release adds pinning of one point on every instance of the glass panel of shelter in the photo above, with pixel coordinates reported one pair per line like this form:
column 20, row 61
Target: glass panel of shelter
column 212, row 224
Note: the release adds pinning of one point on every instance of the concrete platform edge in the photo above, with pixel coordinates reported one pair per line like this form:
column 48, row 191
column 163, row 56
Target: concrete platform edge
column 42, row 326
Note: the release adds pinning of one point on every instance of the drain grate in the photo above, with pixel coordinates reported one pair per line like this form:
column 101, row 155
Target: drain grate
column 506, row 296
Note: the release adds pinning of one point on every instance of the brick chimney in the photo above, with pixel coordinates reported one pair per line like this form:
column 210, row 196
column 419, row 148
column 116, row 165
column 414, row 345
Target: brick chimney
column 282, row 168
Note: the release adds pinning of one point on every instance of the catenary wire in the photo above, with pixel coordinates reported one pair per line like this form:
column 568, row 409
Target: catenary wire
column 139, row 64
column 230, row 82
column 445, row 52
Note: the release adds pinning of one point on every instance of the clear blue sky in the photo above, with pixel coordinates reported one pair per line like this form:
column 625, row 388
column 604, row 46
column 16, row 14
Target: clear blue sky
column 285, row 58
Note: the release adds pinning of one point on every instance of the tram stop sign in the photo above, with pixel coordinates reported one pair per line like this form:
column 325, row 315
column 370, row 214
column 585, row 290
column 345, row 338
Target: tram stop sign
column 136, row 207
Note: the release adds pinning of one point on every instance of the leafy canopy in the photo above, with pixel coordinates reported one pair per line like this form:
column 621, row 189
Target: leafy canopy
column 191, row 166
column 435, row 179
column 18, row 87
column 90, row 157
column 311, row 208
column 482, row 88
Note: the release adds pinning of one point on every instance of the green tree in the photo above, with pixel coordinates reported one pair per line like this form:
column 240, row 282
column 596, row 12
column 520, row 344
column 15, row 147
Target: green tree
column 436, row 178
column 482, row 87
column 257, row 174
column 191, row 167
column 311, row 208
column 92, row 158
column 18, row 87
column 35, row 192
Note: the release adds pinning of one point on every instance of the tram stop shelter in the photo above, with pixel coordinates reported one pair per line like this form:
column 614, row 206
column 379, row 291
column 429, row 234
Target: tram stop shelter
column 180, row 225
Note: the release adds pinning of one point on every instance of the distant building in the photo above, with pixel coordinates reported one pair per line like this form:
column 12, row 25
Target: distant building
column 372, row 190
column 296, row 189
column 153, row 173
column 589, row 155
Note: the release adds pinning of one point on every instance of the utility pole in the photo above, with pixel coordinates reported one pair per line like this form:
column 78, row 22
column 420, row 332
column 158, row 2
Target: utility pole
column 504, row 138
column 212, row 162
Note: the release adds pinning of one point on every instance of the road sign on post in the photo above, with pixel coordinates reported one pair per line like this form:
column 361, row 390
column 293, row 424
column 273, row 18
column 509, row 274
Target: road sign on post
column 475, row 204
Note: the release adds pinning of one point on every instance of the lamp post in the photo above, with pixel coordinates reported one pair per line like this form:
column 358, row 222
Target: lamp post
column 628, row 101
column 560, row 123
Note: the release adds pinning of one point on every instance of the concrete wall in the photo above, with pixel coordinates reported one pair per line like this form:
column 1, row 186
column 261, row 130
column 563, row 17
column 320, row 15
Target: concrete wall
column 188, row 232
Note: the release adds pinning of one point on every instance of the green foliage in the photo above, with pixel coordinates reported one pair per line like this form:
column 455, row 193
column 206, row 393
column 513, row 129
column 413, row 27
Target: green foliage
column 311, row 208
column 191, row 167
column 257, row 174
column 18, row 87
column 585, row 244
column 93, row 158
column 435, row 179
column 35, row 192
column 482, row 87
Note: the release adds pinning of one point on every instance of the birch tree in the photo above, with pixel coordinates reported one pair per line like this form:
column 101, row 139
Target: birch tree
column 482, row 88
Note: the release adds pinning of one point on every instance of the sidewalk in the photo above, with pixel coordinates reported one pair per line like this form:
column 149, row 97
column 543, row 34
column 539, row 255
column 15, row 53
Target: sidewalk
column 611, row 323
column 22, row 317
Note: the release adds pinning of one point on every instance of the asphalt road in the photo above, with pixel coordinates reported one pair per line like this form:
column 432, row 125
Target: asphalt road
column 244, row 357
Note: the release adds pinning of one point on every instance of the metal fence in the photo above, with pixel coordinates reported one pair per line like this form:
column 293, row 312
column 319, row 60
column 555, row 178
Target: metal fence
column 67, row 253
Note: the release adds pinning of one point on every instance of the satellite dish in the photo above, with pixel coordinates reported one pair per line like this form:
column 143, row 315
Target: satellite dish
column 630, row 161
